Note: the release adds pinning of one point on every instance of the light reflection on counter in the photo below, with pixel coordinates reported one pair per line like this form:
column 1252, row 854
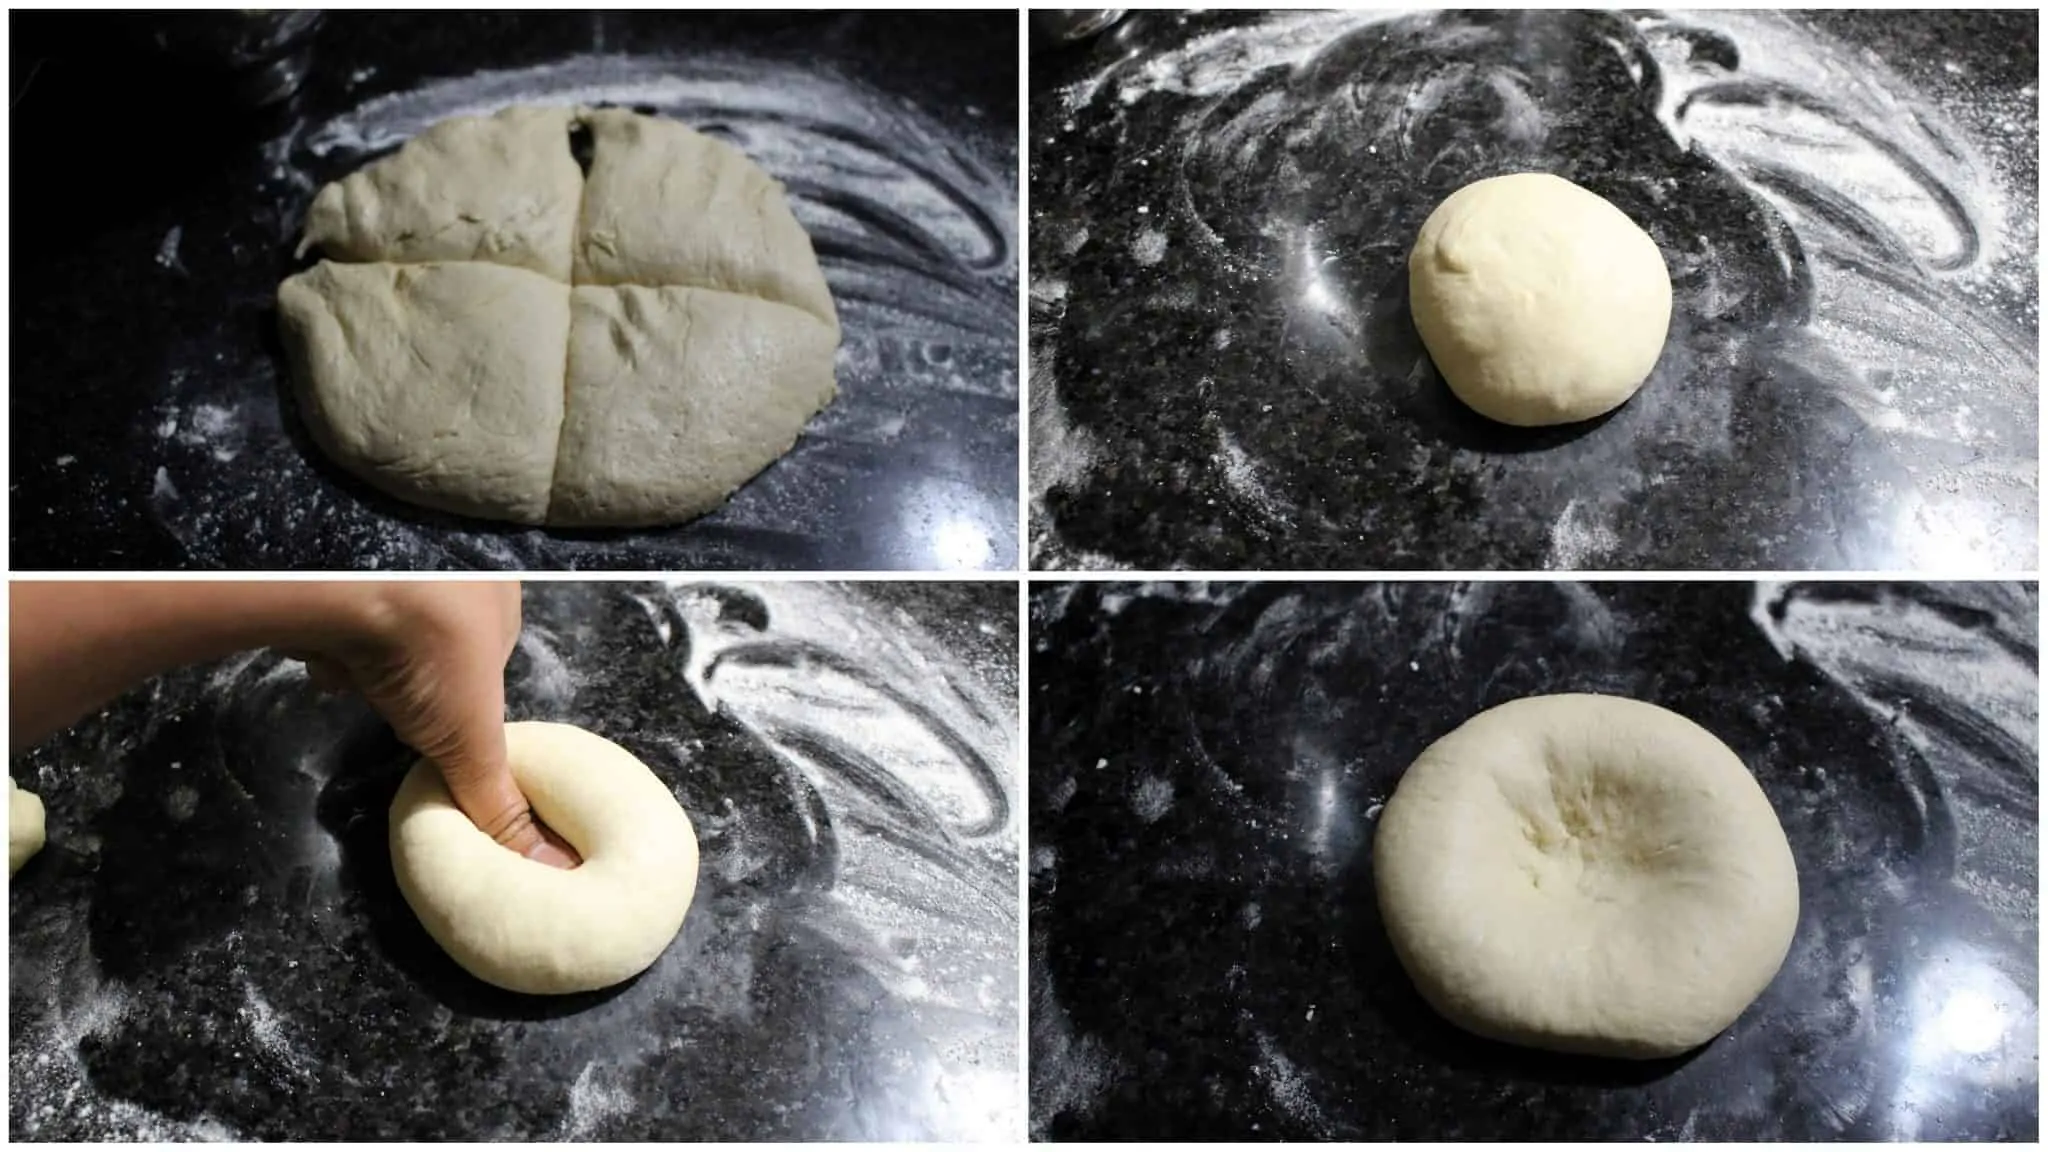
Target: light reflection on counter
column 951, row 526
column 1971, row 1029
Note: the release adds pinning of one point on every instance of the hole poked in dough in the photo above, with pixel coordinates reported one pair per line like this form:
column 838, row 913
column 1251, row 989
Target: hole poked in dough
column 529, row 927
column 1588, row 874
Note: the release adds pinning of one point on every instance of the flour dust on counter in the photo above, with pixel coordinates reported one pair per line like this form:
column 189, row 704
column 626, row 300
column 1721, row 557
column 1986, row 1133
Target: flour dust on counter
column 213, row 944
column 1223, row 203
column 1210, row 764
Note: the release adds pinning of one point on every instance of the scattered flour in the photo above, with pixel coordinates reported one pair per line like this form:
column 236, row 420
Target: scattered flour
column 1149, row 248
column 592, row 1101
column 1152, row 798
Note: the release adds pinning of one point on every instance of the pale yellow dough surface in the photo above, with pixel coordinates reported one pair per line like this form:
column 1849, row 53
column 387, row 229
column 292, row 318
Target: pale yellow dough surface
column 24, row 826
column 496, row 334
column 1539, row 301
column 529, row 927
column 1587, row 874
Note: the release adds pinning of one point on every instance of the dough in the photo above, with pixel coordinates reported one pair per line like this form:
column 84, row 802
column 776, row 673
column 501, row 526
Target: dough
column 24, row 826
column 652, row 368
column 443, row 362
column 503, row 189
column 438, row 383
column 530, row 927
column 1540, row 302
column 664, row 205
column 1586, row 874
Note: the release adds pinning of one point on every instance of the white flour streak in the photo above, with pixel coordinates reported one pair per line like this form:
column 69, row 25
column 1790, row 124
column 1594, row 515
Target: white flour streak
column 551, row 678
column 895, row 735
column 1152, row 798
column 50, row 1094
column 1929, row 665
column 1062, row 455
column 215, row 429
column 268, row 1032
column 1219, row 62
column 1243, row 475
column 1905, row 217
column 1887, row 126
column 1579, row 536
column 1068, row 1072
column 1149, row 248
column 591, row 1103
column 1288, row 1087
column 167, row 252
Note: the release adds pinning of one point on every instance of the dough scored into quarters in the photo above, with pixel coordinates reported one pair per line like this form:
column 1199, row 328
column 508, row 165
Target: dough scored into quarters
column 647, row 426
column 1586, row 874
column 438, row 383
column 1540, row 302
column 24, row 826
column 526, row 926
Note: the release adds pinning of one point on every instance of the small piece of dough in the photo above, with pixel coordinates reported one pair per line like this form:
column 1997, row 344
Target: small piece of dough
column 438, row 383
column 677, row 396
column 1586, row 874
column 501, row 189
column 1540, row 302
column 24, row 826
column 665, row 205
column 529, row 927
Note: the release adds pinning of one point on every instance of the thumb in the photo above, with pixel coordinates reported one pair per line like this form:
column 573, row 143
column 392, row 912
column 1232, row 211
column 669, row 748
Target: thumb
column 494, row 804
column 490, row 797
column 487, row 793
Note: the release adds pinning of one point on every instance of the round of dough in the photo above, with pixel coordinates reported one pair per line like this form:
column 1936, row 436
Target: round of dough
column 24, row 826
column 530, row 927
column 1585, row 874
column 498, row 333
column 1540, row 302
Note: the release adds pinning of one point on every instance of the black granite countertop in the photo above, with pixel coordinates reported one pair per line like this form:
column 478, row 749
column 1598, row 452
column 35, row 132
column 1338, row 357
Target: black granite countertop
column 212, row 944
column 159, row 210
column 1208, row 762
column 1225, row 375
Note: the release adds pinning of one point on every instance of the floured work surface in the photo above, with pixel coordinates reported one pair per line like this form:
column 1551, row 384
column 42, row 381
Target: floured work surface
column 1225, row 374
column 150, row 430
column 1209, row 765
column 213, row 943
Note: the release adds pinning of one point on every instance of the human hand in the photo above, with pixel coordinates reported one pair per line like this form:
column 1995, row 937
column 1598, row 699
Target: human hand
column 430, row 657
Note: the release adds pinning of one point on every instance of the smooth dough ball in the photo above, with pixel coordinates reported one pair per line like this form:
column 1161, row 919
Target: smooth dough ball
column 529, row 927
column 24, row 826
column 1586, row 874
column 438, row 356
column 1540, row 302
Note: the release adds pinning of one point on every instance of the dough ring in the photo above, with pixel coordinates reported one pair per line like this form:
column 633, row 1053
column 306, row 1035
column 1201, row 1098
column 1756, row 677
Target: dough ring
column 1586, row 874
column 529, row 927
